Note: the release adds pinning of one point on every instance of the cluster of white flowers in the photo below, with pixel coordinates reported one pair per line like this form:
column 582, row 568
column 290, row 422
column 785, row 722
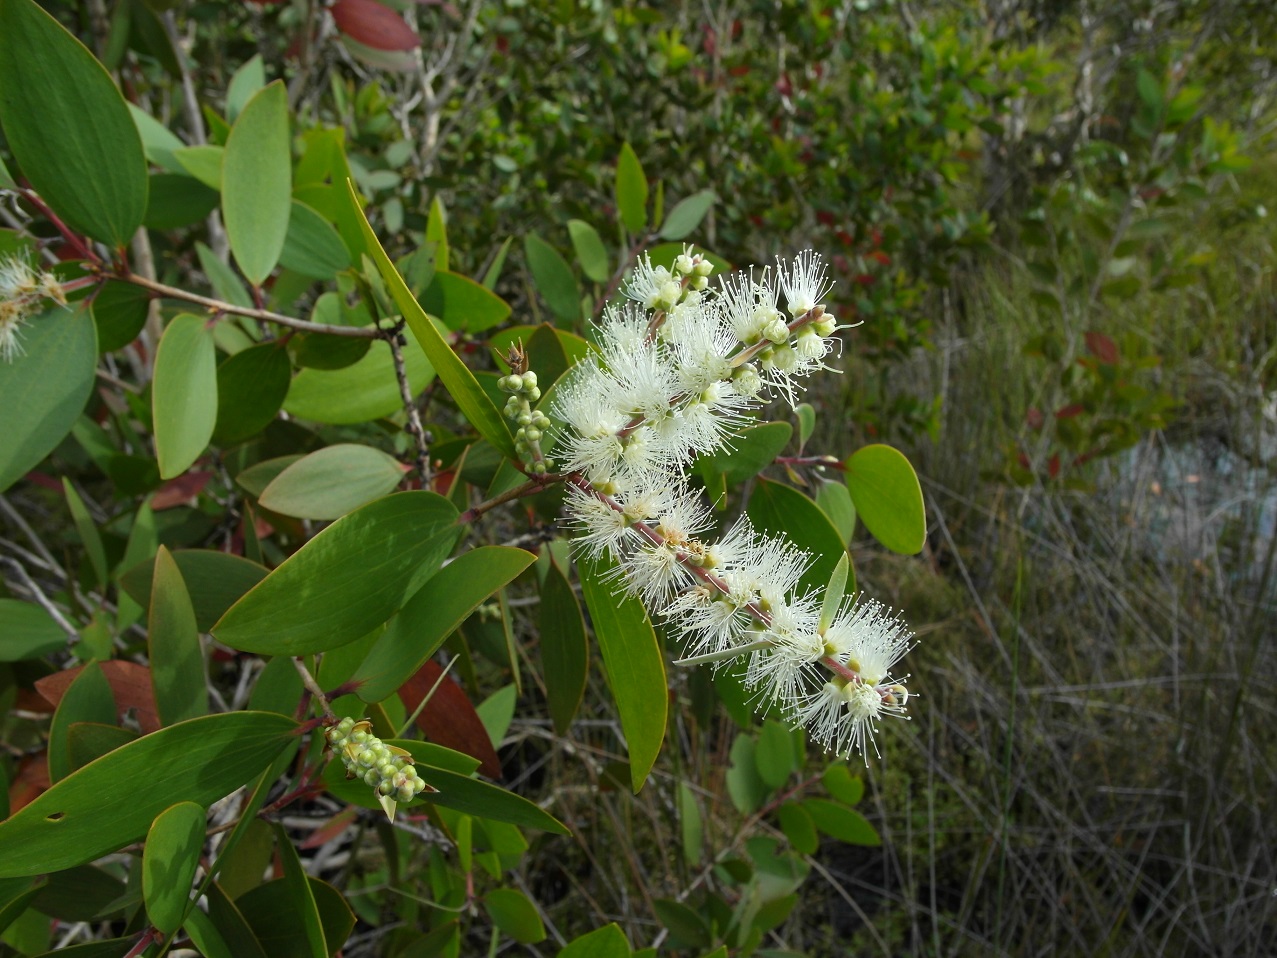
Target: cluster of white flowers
column 680, row 368
column 21, row 291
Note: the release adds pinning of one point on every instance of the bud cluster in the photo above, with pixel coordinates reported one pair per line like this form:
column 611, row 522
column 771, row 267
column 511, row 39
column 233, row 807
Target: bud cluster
column 532, row 423
column 385, row 768
column 21, row 291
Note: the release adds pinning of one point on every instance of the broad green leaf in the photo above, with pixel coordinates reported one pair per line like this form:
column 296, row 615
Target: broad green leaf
column 351, row 577
column 774, row 754
column 158, row 141
column 361, row 391
column 214, row 581
column 175, row 200
column 251, row 386
column 301, row 895
column 749, row 452
column 482, row 800
column 631, row 190
column 607, row 942
column 257, row 182
column 119, row 313
column 280, row 923
column 590, row 251
column 68, row 126
column 198, row 761
column 246, row 81
column 312, row 245
column 554, row 279
column 278, row 687
column 202, row 162
column 635, row 665
column 88, row 699
column 780, row 510
column 796, row 823
column 232, row 928
column 688, row 930
column 459, row 380
column 437, row 231
column 205, row 935
column 806, row 414
column 184, row 393
column 687, row 215
column 50, row 383
column 332, row 482
column 89, row 741
column 27, row 631
column 888, row 498
column 496, row 712
column 245, row 866
column 435, row 610
column 691, row 827
column 169, row 860
column 225, row 283
column 745, row 786
column 79, row 894
column 177, row 661
column 513, row 913
column 565, row 653
column 462, row 303
column 87, row 530
column 840, row 822
column 834, row 500
column 842, row 785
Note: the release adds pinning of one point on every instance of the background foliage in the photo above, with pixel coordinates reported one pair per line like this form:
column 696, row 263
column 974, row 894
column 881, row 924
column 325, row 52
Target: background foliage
column 1050, row 217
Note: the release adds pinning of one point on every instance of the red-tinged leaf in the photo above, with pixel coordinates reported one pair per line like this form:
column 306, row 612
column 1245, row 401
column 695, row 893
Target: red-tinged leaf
column 1103, row 348
column 449, row 717
column 180, row 491
column 373, row 25
column 31, row 780
column 1053, row 466
column 326, row 832
column 1070, row 411
column 1034, row 418
column 130, row 684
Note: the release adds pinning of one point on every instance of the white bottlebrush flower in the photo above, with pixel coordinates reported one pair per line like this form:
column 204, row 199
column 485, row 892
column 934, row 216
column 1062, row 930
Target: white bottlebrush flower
column 21, row 291
column 803, row 281
column 869, row 639
column 654, row 287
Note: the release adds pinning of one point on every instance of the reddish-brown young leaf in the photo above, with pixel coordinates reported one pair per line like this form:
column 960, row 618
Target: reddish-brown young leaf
column 449, row 718
column 374, row 25
column 1103, row 348
column 179, row 491
column 31, row 779
column 1070, row 411
column 130, row 684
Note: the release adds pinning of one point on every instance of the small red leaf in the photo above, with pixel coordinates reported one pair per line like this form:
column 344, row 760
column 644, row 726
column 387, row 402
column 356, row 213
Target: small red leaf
column 1053, row 466
column 326, row 832
column 179, row 491
column 1070, row 411
column 31, row 779
column 1103, row 348
column 130, row 684
column 1034, row 418
column 448, row 718
column 373, row 25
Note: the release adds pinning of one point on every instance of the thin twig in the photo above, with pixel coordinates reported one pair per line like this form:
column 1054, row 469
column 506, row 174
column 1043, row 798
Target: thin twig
column 313, row 688
column 410, row 407
column 43, row 600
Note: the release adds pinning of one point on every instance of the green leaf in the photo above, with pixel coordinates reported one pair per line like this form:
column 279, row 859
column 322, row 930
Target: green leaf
column 607, row 942
column 198, row 761
column 635, row 665
column 440, row 605
column 214, row 581
column 88, row 699
column 169, row 860
column 345, row 581
column 234, row 932
column 361, row 391
column 799, row 828
column 631, row 190
column 745, row 786
column 68, row 126
column 460, row 382
column 834, row 500
column 462, row 303
column 752, row 450
column 158, row 142
column 775, row 755
column 1149, row 89
column 177, row 661
column 482, row 800
column 184, row 393
column 806, row 422
column 50, row 383
column 888, row 498
column 202, row 162
column 312, row 245
column 590, row 251
column 226, row 284
column 687, row 928
column 840, row 822
column 332, row 482
column 246, row 81
column 27, row 631
column 88, row 531
column 554, row 279
column 251, row 386
column 780, row 510
column 691, row 827
column 565, row 653
column 687, row 215
column 437, row 231
column 176, row 200
column 842, row 785
column 513, row 913
column 281, row 924
column 119, row 313
column 302, row 897
column 257, row 182
column 89, row 741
